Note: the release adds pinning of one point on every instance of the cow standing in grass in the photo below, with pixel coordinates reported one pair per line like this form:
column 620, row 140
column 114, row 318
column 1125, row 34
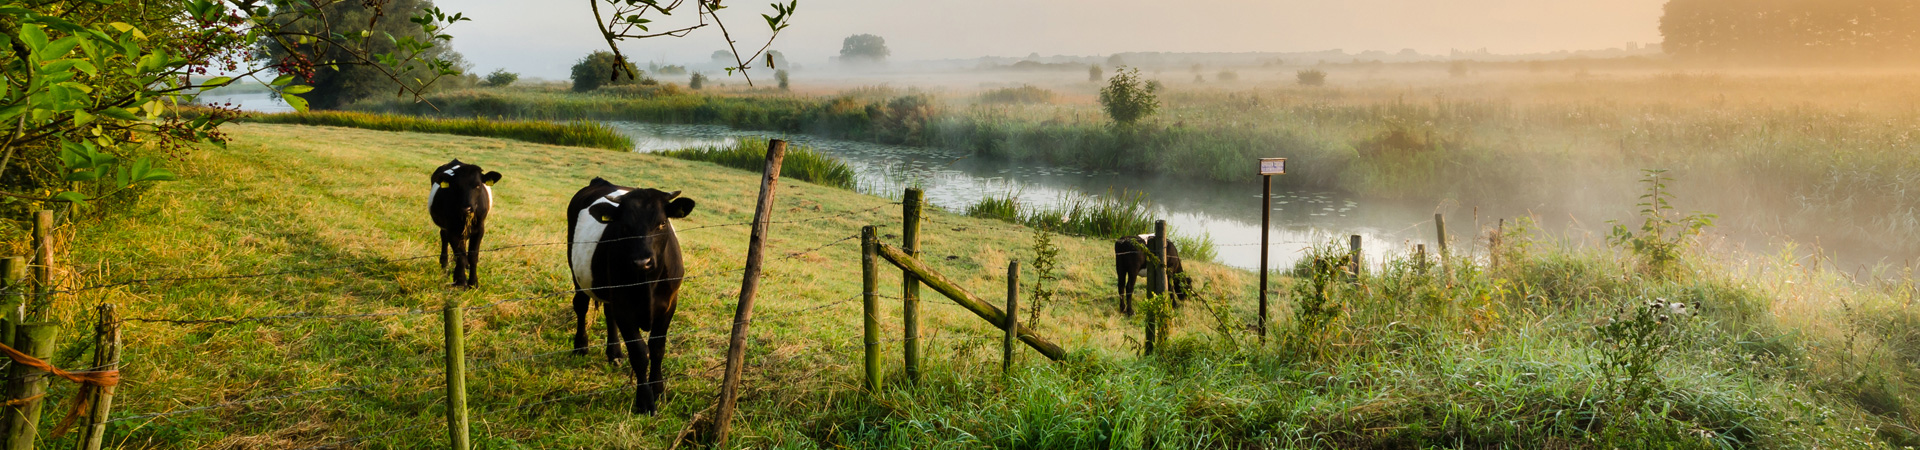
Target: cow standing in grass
column 625, row 257
column 1132, row 257
column 459, row 197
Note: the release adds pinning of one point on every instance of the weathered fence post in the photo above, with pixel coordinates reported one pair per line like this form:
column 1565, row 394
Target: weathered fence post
column 456, row 375
column 13, row 296
column 870, row 301
column 1493, row 244
column 27, row 384
column 42, row 264
column 106, row 357
column 749, row 285
column 1420, row 257
column 1012, row 324
column 945, row 286
column 1353, row 255
column 910, row 205
column 1157, row 281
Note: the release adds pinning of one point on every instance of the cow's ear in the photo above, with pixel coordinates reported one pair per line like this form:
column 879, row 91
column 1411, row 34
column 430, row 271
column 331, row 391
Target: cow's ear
column 490, row 178
column 603, row 212
column 680, row 208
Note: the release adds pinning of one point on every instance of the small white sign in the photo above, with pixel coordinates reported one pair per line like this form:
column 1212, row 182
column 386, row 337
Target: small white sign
column 1273, row 166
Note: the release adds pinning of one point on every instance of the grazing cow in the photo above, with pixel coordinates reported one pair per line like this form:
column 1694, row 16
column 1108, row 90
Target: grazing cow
column 458, row 197
column 625, row 257
column 1130, row 262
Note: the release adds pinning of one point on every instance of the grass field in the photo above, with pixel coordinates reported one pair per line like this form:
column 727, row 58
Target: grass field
column 1784, row 354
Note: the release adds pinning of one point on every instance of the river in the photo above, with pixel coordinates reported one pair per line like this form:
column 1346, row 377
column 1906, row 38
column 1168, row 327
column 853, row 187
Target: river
column 1228, row 214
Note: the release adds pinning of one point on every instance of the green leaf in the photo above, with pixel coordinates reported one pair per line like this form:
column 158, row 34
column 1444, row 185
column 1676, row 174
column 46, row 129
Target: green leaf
column 216, row 82
column 296, row 90
column 58, row 49
column 282, row 80
column 71, row 197
column 298, row 104
column 33, row 36
column 119, row 114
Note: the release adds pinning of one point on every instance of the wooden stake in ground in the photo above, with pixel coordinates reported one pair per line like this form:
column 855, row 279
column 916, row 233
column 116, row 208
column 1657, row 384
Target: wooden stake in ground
column 1012, row 325
column 749, row 285
column 910, row 205
column 106, row 356
column 456, row 373
column 870, row 304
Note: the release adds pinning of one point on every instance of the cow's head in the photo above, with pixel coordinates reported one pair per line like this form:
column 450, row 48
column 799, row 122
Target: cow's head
column 459, row 184
column 639, row 224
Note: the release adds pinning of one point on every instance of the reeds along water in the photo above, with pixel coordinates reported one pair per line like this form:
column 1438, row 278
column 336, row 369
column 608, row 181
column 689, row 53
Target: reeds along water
column 801, row 163
column 573, row 133
column 1108, row 216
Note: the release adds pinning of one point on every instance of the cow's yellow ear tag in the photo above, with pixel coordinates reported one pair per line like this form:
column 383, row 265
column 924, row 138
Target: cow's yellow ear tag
column 445, row 185
column 490, row 183
column 606, row 218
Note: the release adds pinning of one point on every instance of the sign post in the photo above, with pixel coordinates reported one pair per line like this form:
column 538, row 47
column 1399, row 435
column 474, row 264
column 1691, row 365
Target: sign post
column 1268, row 168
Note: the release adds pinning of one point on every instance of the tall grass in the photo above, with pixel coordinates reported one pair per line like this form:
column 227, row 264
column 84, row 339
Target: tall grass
column 576, row 133
column 801, row 163
column 1102, row 216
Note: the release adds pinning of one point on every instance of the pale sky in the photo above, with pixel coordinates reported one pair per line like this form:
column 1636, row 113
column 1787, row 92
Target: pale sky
column 543, row 37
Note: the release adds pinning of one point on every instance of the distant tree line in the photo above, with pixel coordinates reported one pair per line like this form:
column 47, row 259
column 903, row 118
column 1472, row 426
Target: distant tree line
column 1793, row 31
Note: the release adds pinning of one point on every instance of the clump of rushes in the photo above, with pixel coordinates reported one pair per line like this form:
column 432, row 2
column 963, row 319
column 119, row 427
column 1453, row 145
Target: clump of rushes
column 801, row 163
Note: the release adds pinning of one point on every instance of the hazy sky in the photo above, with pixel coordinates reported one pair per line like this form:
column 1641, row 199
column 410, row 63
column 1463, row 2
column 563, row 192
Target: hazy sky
column 543, row 37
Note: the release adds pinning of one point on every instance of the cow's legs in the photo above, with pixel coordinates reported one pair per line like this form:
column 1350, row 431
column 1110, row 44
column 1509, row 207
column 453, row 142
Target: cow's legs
column 473, row 257
column 1126, row 290
column 613, row 335
column 459, row 244
column 580, row 304
column 443, row 252
column 657, row 345
column 643, row 395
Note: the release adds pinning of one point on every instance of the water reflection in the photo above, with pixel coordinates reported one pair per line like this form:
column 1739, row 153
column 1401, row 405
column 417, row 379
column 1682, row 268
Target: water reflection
column 1229, row 214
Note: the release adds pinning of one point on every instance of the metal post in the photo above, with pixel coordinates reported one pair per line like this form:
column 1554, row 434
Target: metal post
column 870, row 302
column 749, row 285
column 1266, row 223
column 1012, row 325
column 910, row 205
column 456, row 374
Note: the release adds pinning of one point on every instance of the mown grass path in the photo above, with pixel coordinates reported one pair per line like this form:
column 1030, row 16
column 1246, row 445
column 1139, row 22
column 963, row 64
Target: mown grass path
column 284, row 197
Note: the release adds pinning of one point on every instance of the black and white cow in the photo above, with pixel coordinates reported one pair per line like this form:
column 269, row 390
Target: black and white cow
column 1130, row 263
column 625, row 257
column 459, row 197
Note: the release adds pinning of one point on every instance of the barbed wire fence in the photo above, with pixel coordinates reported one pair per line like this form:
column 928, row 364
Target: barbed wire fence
column 680, row 332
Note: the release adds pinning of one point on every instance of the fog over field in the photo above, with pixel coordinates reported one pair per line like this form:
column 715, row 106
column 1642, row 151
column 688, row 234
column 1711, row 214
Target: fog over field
column 503, row 34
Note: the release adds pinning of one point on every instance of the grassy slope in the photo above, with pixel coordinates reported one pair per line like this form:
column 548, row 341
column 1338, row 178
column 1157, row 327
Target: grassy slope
column 288, row 197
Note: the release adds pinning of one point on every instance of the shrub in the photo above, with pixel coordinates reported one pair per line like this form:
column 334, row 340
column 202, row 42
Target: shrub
column 599, row 69
column 801, row 163
column 1227, row 75
column 1093, row 73
column 697, row 81
column 501, row 78
column 1018, row 95
column 1311, row 77
column 1459, row 69
column 1126, row 98
column 781, row 76
column 1664, row 234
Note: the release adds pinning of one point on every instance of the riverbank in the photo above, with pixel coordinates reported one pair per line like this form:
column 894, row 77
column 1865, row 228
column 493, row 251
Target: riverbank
column 1814, row 158
column 1781, row 355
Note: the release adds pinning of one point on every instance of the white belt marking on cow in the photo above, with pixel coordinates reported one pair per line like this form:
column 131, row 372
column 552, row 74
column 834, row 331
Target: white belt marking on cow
column 489, row 197
column 449, row 172
column 587, row 231
column 433, row 191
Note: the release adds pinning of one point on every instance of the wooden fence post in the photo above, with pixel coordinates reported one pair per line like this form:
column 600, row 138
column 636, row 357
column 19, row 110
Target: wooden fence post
column 1353, row 255
column 1420, row 257
column 1157, row 281
column 945, row 286
column 13, row 296
column 910, row 205
column 42, row 264
column 106, row 357
column 870, row 301
column 456, row 375
column 27, row 385
column 749, row 285
column 1012, row 325
column 1493, row 245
